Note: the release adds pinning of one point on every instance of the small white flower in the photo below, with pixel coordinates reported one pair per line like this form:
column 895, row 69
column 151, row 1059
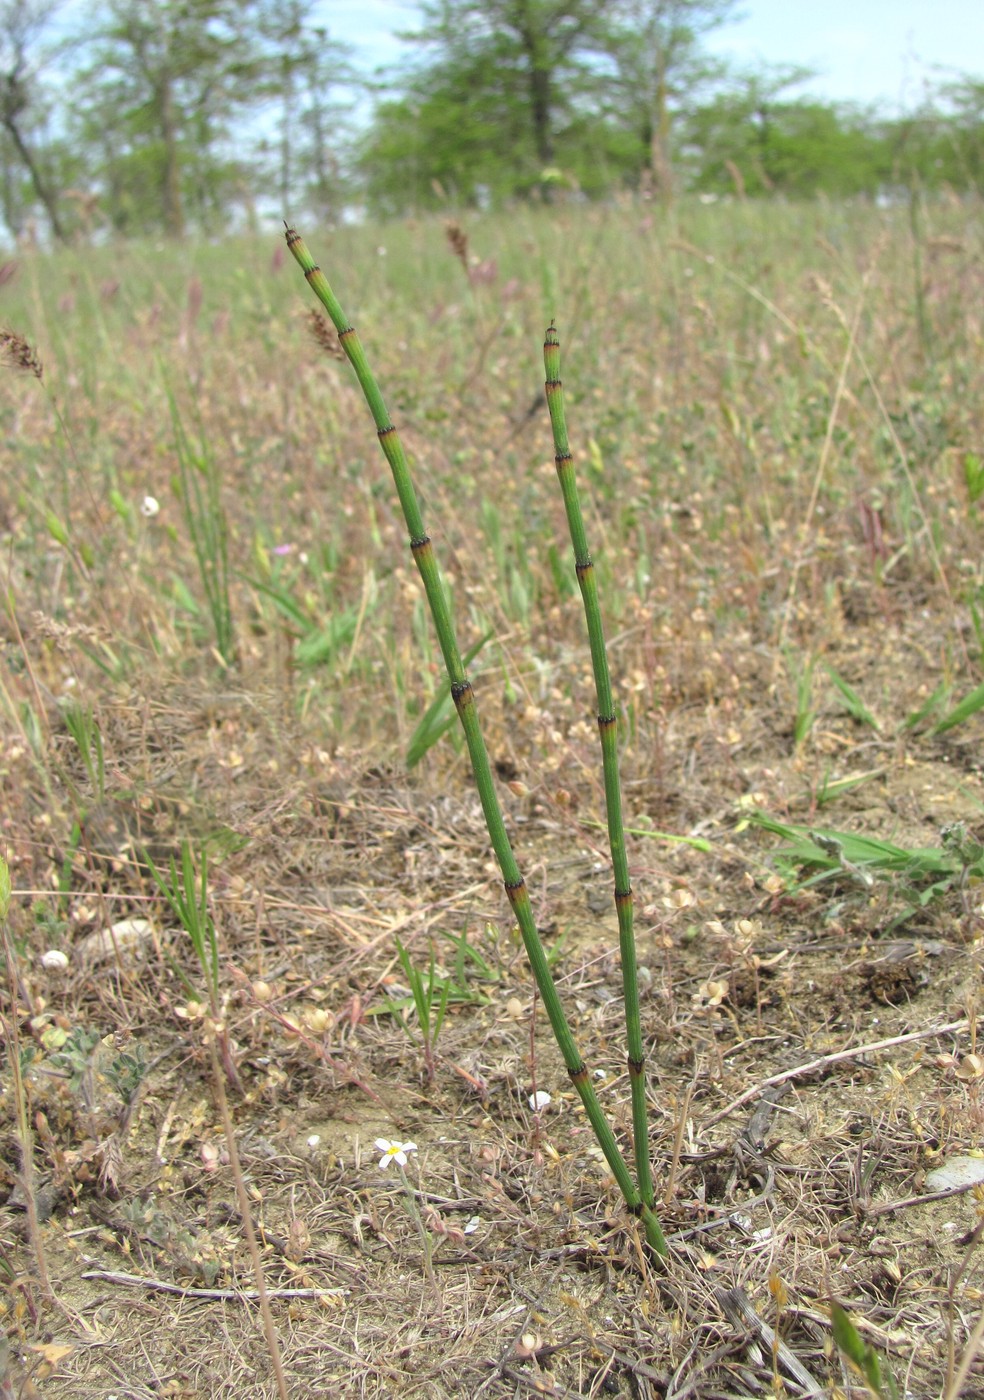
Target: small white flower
column 540, row 1100
column 394, row 1152
column 54, row 960
column 473, row 1224
column 149, row 507
column 314, row 1139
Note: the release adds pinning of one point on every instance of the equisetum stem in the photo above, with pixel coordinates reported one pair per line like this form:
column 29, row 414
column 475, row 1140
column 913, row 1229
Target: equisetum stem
column 464, row 701
column 608, row 727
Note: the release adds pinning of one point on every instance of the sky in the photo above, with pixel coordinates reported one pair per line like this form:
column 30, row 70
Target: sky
column 865, row 51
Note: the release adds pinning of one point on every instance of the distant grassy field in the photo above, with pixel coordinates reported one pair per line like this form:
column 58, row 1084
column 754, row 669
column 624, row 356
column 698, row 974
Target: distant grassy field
column 214, row 635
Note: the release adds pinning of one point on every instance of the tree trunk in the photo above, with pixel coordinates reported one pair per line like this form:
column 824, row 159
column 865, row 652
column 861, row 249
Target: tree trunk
column 660, row 165
column 540, row 106
column 13, row 100
column 539, row 86
column 173, row 210
column 41, row 188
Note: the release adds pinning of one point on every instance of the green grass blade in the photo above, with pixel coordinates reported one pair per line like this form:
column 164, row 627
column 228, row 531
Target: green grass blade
column 968, row 706
column 930, row 706
column 437, row 719
column 861, row 1354
column 856, row 707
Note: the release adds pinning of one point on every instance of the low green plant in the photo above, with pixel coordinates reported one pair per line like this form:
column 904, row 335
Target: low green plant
column 970, row 705
column 205, row 517
column 430, row 996
column 84, row 729
column 801, row 674
column 832, row 788
column 638, row 1197
column 186, row 893
column 469, row 962
column 67, row 867
column 319, row 635
column 853, row 703
column 973, row 465
column 126, row 1073
column 75, row 1061
column 923, row 873
column 862, row 1355
column 437, row 719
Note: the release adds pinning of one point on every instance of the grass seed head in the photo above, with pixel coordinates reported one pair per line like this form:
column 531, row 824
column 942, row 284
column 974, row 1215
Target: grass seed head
column 16, row 353
column 323, row 334
column 458, row 242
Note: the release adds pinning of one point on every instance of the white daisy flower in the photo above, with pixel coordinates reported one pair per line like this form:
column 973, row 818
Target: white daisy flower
column 394, row 1152
column 149, row 507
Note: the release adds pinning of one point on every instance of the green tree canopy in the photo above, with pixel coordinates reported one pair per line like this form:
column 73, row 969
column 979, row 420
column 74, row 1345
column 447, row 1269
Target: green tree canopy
column 493, row 102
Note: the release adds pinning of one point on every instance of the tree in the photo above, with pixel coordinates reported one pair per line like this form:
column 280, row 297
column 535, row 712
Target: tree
column 22, row 24
column 755, row 137
column 942, row 141
column 488, row 105
column 302, row 66
column 659, row 64
column 172, row 73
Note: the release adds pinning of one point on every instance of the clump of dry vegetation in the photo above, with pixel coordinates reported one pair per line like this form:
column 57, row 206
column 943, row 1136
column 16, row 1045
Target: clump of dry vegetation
column 213, row 641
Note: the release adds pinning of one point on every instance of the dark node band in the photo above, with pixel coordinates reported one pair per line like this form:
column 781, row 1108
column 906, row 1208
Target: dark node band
column 562, row 457
column 636, row 1067
column 636, row 1209
column 583, row 567
column 385, row 432
column 580, row 1073
column 310, row 271
column 554, row 384
column 515, row 888
column 458, row 689
column 349, row 330
column 420, row 543
column 291, row 235
column 622, row 895
column 605, row 720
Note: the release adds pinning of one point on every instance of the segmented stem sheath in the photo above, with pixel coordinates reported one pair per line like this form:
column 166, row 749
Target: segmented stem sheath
column 464, row 700
column 608, row 728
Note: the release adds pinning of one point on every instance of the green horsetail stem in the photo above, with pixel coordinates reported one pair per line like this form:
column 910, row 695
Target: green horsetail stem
column 608, row 727
column 464, row 700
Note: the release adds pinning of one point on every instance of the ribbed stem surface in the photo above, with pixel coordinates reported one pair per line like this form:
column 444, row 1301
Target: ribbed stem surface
column 608, row 727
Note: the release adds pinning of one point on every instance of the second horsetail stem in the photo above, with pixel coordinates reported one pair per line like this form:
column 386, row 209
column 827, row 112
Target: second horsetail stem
column 608, row 728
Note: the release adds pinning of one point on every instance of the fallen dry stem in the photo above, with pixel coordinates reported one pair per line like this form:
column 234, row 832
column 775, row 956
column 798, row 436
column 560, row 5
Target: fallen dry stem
column 218, row 1295
column 824, row 1060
